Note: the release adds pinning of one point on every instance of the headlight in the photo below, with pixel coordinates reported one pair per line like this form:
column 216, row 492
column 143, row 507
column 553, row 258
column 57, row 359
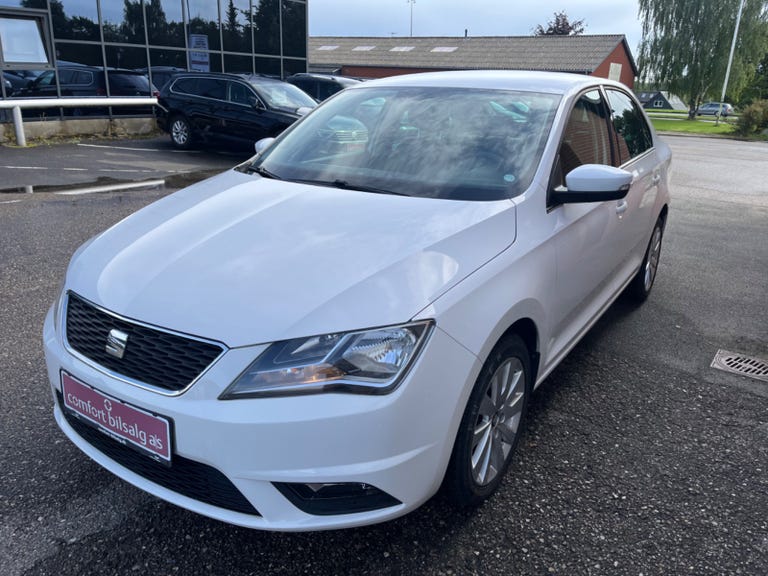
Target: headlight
column 366, row 362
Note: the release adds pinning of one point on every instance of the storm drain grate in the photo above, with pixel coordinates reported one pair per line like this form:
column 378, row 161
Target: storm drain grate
column 741, row 364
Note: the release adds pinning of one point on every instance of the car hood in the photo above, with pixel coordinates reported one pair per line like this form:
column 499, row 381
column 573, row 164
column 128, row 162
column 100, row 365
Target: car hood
column 246, row 260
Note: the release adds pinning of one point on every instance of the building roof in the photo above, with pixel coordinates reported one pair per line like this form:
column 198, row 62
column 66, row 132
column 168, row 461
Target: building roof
column 582, row 53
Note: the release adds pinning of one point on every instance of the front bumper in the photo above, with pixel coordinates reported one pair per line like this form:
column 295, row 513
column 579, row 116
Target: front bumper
column 399, row 443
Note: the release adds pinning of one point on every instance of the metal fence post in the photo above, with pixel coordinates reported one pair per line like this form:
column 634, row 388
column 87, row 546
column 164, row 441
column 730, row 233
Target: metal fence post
column 18, row 126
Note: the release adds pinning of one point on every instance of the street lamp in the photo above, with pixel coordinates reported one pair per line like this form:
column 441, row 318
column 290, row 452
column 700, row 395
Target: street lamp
column 411, row 2
column 730, row 60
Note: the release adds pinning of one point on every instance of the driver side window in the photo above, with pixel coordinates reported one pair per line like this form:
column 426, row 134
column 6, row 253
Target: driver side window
column 585, row 139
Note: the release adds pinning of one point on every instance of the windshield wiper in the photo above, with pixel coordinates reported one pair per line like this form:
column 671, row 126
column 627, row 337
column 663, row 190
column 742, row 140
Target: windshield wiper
column 344, row 185
column 263, row 172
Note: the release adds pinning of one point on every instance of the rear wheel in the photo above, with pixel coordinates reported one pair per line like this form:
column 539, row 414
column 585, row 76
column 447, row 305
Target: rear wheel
column 181, row 132
column 642, row 283
column 491, row 426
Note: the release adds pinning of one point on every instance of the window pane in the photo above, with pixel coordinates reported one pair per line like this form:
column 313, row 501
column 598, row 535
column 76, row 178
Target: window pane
column 88, row 54
column 173, row 58
column 268, row 66
column 22, row 41
column 294, row 29
column 237, row 64
column 212, row 88
column 586, row 139
column 75, row 20
column 204, row 23
column 123, row 21
column 294, row 66
column 266, row 22
column 165, row 23
column 633, row 134
column 235, row 16
column 123, row 57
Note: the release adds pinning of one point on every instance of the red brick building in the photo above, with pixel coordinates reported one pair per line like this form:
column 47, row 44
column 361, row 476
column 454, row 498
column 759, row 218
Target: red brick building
column 607, row 56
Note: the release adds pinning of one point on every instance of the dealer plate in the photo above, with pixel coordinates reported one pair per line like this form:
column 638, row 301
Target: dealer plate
column 131, row 426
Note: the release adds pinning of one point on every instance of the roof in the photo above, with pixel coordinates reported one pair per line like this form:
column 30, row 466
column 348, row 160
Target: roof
column 527, row 80
column 582, row 53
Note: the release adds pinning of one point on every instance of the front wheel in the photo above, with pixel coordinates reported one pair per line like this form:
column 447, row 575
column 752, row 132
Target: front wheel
column 641, row 284
column 491, row 426
column 181, row 132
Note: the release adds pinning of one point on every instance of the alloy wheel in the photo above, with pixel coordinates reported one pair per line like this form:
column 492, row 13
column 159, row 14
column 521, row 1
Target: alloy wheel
column 498, row 420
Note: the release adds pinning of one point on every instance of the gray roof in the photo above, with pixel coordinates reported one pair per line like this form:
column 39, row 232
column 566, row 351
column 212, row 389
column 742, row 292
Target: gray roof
column 583, row 53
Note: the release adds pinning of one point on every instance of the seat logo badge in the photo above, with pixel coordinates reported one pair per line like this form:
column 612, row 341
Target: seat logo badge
column 116, row 343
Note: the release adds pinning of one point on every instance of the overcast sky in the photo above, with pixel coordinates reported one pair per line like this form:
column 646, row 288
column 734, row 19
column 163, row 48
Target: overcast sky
column 480, row 17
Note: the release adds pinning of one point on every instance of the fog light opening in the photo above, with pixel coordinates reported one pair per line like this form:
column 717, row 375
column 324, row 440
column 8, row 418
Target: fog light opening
column 326, row 499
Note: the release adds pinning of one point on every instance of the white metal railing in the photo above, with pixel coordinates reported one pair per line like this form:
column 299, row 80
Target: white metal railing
column 17, row 104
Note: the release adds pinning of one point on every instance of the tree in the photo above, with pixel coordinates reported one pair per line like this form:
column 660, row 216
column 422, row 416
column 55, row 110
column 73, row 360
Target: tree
column 686, row 44
column 560, row 26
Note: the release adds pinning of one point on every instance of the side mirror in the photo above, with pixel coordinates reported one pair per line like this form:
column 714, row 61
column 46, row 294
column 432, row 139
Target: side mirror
column 593, row 183
column 262, row 145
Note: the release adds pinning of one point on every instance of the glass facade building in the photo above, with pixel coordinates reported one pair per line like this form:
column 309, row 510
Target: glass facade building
column 240, row 36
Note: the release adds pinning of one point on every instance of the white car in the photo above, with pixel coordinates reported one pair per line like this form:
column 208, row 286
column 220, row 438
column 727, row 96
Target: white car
column 325, row 335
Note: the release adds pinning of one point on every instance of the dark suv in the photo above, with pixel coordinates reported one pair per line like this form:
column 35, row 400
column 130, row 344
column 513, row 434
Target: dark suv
column 228, row 107
column 321, row 86
column 90, row 81
column 84, row 81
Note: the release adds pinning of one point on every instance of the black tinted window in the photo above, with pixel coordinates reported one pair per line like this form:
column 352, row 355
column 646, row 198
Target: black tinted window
column 82, row 77
column 586, row 139
column 633, row 135
column 185, row 85
column 327, row 89
column 239, row 93
column 128, row 84
column 212, row 88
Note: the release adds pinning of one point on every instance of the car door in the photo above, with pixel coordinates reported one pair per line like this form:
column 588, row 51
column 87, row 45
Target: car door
column 635, row 153
column 195, row 98
column 587, row 234
column 244, row 117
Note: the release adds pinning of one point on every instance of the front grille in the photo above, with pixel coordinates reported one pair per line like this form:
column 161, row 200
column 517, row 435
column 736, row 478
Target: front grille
column 151, row 356
column 187, row 477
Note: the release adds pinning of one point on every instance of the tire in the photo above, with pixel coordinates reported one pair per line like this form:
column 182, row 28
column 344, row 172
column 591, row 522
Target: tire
column 491, row 426
column 181, row 132
column 640, row 287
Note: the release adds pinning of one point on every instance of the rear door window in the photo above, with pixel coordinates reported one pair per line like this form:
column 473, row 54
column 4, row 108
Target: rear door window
column 212, row 88
column 633, row 136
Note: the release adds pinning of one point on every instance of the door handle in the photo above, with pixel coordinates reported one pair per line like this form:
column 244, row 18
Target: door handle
column 621, row 206
column 656, row 179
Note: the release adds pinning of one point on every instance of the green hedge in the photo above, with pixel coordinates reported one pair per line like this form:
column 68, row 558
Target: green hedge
column 753, row 119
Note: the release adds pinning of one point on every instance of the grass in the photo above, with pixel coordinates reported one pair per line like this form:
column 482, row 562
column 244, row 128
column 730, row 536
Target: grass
column 654, row 111
column 693, row 126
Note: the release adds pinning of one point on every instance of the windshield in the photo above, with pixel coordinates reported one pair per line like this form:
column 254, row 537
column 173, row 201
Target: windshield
column 283, row 95
column 465, row 144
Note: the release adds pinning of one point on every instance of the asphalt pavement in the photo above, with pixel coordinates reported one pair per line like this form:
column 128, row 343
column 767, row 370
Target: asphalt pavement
column 639, row 458
column 99, row 162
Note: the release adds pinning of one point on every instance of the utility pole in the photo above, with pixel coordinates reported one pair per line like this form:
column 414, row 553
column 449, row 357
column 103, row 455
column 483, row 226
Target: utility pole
column 412, row 2
column 730, row 61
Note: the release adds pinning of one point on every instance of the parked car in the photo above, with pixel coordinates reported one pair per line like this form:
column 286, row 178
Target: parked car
column 82, row 81
column 79, row 81
column 321, row 86
column 715, row 108
column 14, row 82
column 324, row 336
column 198, row 106
column 161, row 74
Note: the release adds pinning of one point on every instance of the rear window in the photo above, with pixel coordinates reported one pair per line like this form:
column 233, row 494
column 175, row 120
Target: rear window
column 134, row 82
column 205, row 87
